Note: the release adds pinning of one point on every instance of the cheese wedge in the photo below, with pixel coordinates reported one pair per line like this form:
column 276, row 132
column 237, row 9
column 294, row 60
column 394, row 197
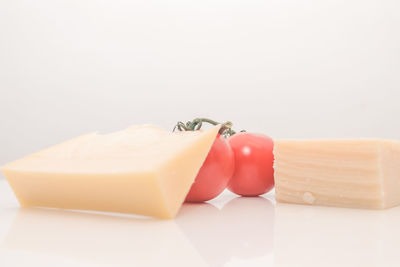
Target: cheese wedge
column 344, row 173
column 142, row 170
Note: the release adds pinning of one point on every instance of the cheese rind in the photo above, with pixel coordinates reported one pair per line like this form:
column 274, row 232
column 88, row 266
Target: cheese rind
column 143, row 170
column 361, row 173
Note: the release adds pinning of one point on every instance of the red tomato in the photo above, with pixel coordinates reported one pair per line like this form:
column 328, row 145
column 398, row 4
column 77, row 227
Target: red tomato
column 215, row 173
column 254, row 173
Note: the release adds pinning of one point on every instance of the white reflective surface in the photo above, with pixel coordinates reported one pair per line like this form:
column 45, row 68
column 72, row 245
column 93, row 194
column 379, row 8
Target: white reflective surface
column 230, row 231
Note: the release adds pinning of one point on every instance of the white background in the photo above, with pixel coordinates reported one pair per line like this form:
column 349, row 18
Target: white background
column 287, row 68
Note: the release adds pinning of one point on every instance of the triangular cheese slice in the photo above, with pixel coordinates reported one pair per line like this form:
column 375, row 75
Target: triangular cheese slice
column 142, row 170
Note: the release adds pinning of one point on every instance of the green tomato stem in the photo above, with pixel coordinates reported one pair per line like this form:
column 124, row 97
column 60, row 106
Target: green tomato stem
column 196, row 124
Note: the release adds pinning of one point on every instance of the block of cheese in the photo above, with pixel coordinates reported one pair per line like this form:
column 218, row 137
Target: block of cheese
column 362, row 173
column 142, row 170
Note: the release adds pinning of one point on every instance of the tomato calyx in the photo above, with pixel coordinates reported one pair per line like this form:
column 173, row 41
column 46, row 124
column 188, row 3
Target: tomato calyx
column 196, row 124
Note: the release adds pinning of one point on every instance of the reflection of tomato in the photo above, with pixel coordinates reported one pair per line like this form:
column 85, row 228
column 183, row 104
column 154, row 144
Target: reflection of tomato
column 215, row 173
column 248, row 226
column 254, row 173
column 201, row 224
column 242, row 229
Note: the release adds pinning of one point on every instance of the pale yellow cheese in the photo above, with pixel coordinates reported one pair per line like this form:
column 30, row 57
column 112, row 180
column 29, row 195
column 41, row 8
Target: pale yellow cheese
column 142, row 170
column 361, row 173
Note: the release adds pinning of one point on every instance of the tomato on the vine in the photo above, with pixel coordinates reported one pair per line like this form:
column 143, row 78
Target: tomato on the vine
column 215, row 173
column 244, row 164
column 254, row 173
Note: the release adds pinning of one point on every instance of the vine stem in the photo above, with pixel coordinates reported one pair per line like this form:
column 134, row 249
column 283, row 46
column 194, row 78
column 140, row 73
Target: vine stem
column 194, row 125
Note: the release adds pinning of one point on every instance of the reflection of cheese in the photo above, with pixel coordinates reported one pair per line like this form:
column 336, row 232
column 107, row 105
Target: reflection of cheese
column 100, row 239
column 345, row 173
column 142, row 170
column 317, row 236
